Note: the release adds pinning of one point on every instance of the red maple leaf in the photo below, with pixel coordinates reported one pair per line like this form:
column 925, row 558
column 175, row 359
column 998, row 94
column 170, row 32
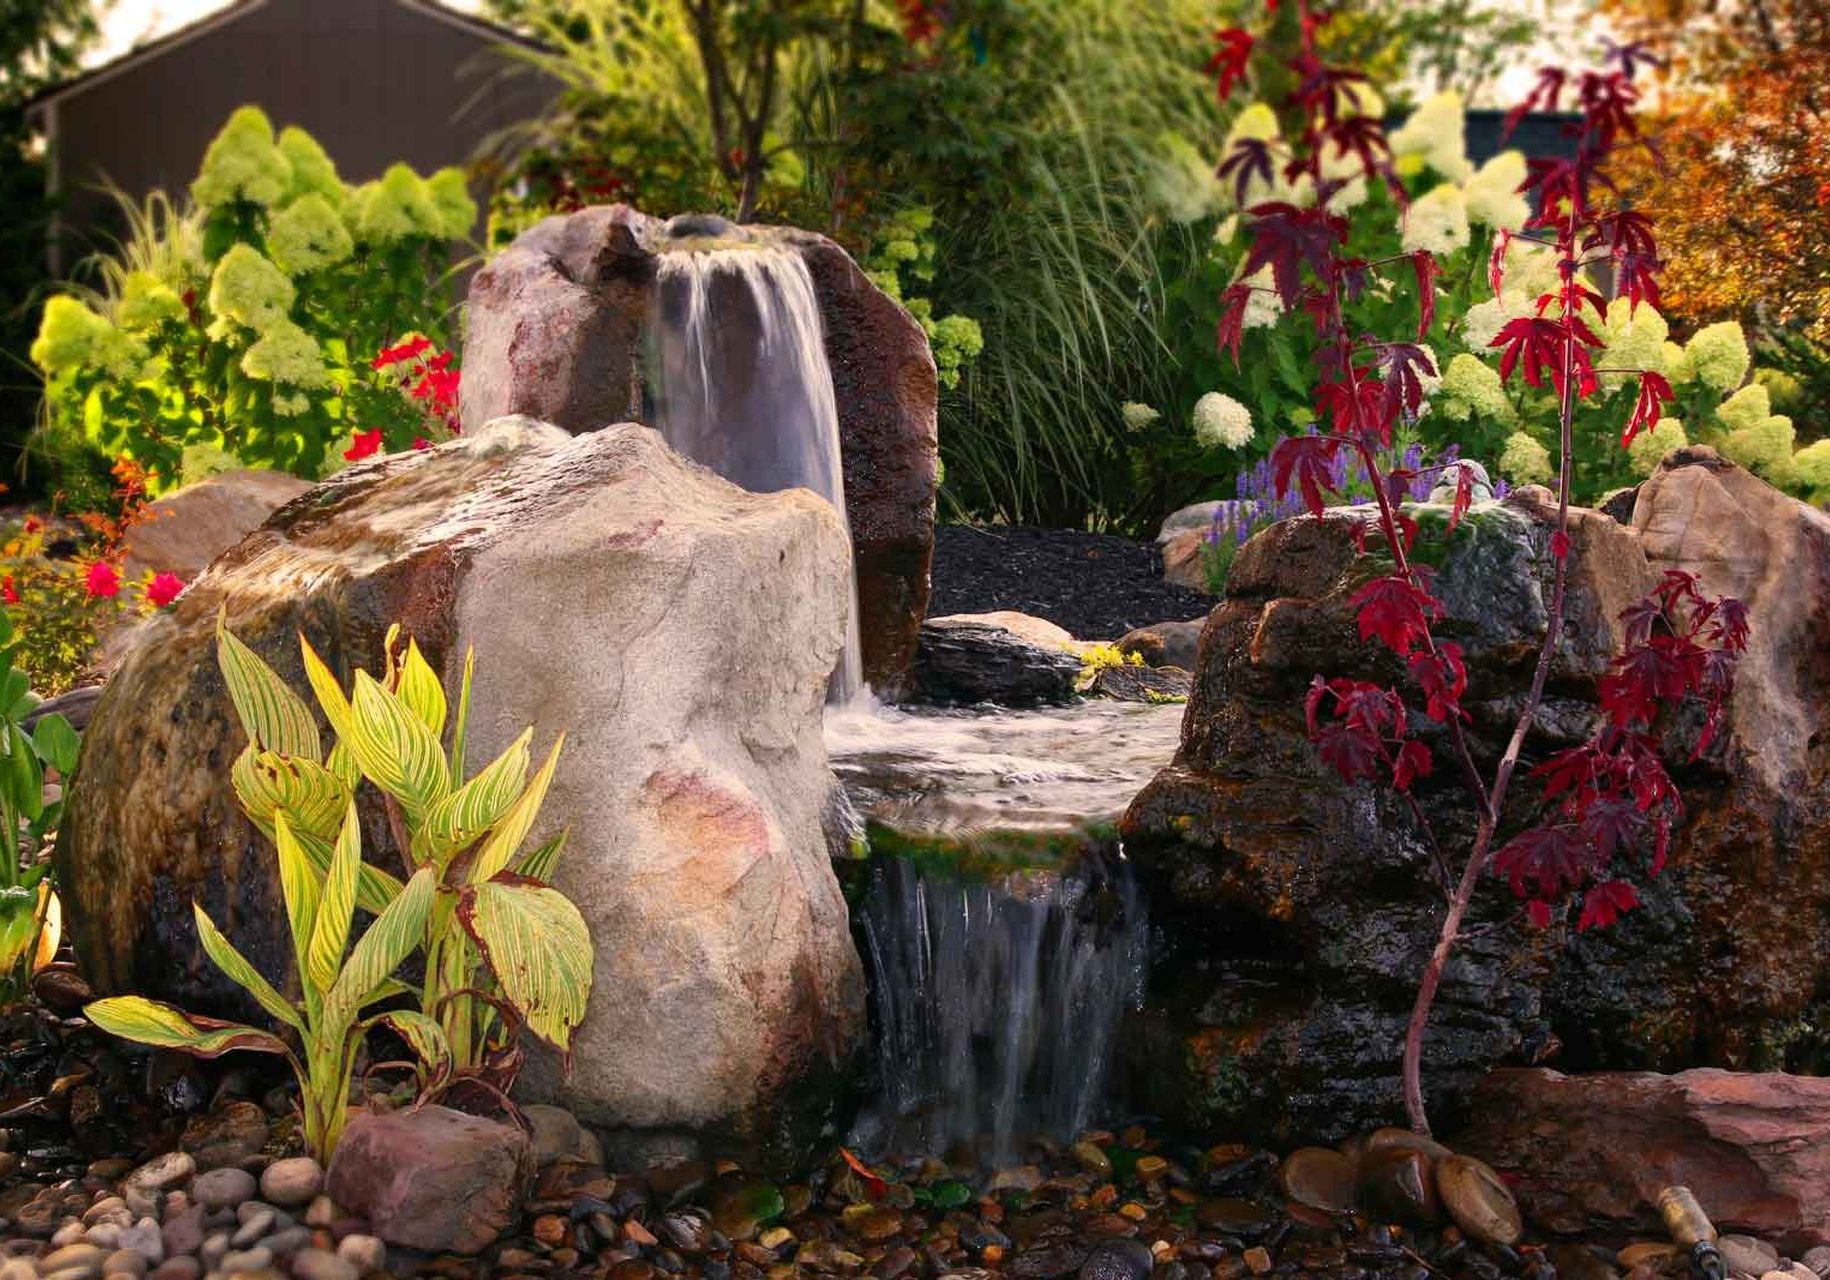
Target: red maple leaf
column 1228, row 64
column 1394, row 610
column 1306, row 459
column 1288, row 239
column 1443, row 679
column 1250, row 158
column 1234, row 300
column 1496, row 261
column 1424, row 263
column 1605, row 903
column 1653, row 388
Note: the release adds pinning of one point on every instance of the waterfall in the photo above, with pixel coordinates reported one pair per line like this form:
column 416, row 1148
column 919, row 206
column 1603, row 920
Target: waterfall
column 996, row 1003
column 743, row 383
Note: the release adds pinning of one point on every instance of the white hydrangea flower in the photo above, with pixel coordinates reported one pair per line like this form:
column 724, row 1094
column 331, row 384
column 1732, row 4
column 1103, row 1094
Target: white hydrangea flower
column 242, row 163
column 1472, row 388
column 1634, row 338
column 249, row 290
column 1748, row 407
column 307, row 235
column 1437, row 222
column 1221, row 422
column 1719, row 354
column 1492, row 194
column 1183, row 183
column 1264, row 308
column 1524, row 460
column 1138, row 416
column 286, row 354
column 1483, row 322
column 1435, row 133
column 1677, row 366
column 1651, row 445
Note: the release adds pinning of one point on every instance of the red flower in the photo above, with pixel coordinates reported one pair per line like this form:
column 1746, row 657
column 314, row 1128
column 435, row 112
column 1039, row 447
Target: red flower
column 421, row 443
column 368, row 443
column 103, row 580
column 163, row 589
column 33, row 524
column 8, row 592
column 405, row 351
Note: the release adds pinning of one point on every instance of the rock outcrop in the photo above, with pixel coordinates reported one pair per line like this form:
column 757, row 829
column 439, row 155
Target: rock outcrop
column 679, row 630
column 559, row 323
column 1590, row 1154
column 1300, row 910
column 183, row 531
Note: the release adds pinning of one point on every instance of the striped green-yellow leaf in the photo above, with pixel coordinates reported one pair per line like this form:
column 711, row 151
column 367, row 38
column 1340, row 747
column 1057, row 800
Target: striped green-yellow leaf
column 542, row 862
column 474, row 807
column 461, row 729
column 375, row 888
column 300, row 883
column 272, row 715
column 505, row 840
column 314, row 798
column 537, row 946
column 331, row 933
column 425, row 1037
column 379, row 951
column 223, row 954
column 149, row 1022
column 324, row 685
column 395, row 750
column 420, row 691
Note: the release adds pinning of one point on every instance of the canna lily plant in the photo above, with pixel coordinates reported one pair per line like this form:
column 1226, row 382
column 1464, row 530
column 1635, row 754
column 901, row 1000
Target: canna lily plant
column 320, row 906
column 502, row 948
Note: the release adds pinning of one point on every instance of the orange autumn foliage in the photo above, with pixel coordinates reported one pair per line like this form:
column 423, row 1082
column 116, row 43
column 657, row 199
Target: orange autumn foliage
column 1743, row 198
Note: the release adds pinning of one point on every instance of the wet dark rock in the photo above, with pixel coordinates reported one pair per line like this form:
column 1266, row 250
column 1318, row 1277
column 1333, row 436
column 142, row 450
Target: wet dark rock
column 1165, row 644
column 1117, row 1260
column 1295, row 931
column 227, row 1137
column 1398, row 1184
column 1142, row 684
column 1319, row 1178
column 1478, row 1200
column 966, row 663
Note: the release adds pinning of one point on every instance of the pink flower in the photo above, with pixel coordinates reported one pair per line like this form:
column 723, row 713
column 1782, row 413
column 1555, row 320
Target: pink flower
column 103, row 580
column 368, row 443
column 163, row 589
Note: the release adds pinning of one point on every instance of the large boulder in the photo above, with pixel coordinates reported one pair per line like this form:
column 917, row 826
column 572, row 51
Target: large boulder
column 559, row 326
column 1299, row 911
column 1591, row 1154
column 679, row 630
column 183, row 531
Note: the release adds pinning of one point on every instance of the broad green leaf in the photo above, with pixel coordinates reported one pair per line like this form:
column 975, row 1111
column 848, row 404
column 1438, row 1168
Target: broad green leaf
column 537, row 946
column 461, row 730
column 395, row 750
column 271, row 714
column 24, row 776
column 542, row 862
column 420, row 691
column 388, row 941
column 313, row 797
column 505, row 840
column 324, row 685
column 300, row 882
column 475, row 807
column 331, row 933
column 425, row 1037
column 223, row 953
column 58, row 744
column 149, row 1022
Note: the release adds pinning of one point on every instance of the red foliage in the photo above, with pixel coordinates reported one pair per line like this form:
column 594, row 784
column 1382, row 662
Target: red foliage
column 1227, row 66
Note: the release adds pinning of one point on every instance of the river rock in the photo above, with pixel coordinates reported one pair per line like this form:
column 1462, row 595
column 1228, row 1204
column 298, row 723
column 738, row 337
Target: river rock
column 558, row 327
column 291, row 1182
column 1753, row 1147
column 1183, row 561
column 1165, row 644
column 183, row 531
column 1298, row 912
column 1137, row 683
column 963, row 662
column 679, row 630
column 432, row 1179
column 1197, row 517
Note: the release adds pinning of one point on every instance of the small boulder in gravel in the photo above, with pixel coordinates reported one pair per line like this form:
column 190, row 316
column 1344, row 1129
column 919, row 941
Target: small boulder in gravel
column 183, row 1234
column 223, row 1188
column 364, row 1252
column 292, row 1182
column 320, row 1264
column 432, row 1179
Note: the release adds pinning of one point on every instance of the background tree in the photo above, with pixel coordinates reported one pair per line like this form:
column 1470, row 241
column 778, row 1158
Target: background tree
column 1745, row 185
column 40, row 43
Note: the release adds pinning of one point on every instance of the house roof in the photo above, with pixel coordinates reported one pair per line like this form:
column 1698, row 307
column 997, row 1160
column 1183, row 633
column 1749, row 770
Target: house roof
column 233, row 12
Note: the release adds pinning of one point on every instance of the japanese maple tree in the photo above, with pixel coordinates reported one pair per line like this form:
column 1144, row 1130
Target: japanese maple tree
column 1609, row 799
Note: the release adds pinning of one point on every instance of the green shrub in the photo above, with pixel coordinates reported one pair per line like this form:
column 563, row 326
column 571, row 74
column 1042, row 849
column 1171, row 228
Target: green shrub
column 249, row 323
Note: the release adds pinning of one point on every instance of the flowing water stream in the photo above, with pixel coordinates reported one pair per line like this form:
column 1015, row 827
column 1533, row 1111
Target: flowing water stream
column 743, row 386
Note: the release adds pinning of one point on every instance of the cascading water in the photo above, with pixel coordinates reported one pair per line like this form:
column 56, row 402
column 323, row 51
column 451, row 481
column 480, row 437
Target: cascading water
column 743, row 383
column 996, row 1002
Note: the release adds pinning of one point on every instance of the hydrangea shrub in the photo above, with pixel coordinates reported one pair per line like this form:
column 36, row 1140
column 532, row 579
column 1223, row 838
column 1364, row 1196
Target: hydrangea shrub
column 266, row 346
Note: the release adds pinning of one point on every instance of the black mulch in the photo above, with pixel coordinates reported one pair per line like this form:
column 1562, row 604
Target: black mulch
column 1096, row 585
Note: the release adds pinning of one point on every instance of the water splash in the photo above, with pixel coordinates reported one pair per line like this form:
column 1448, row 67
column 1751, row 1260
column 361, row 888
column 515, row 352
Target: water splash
column 743, row 385
column 996, row 1002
